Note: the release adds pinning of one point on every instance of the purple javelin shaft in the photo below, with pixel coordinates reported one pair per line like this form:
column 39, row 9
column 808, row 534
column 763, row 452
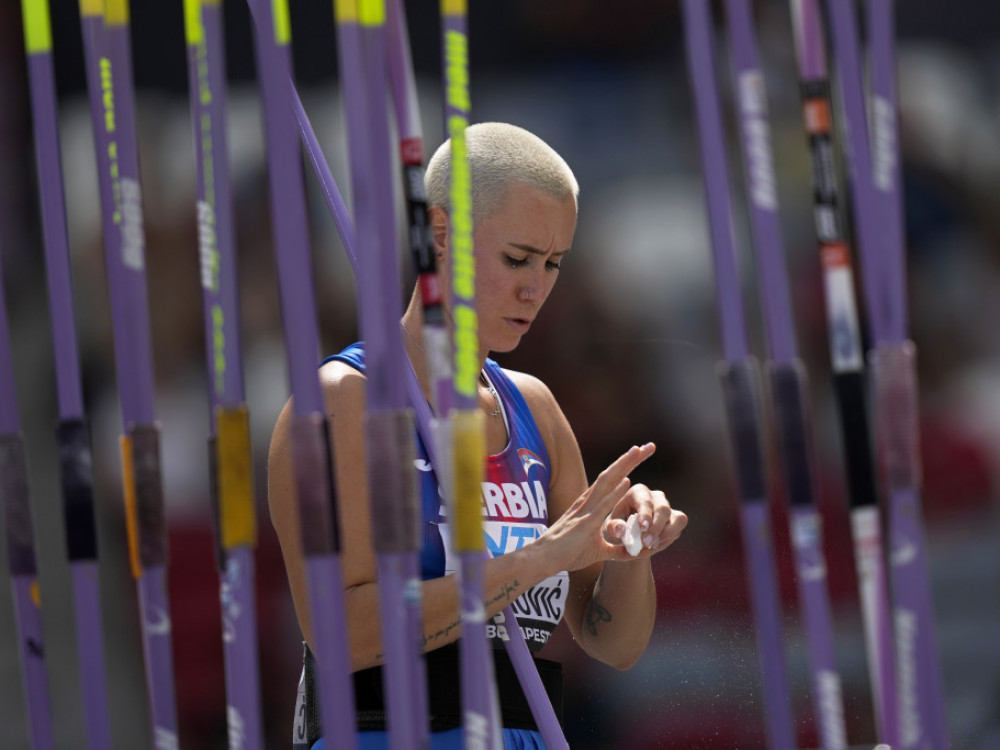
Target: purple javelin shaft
column 740, row 381
column 886, row 169
column 394, row 515
column 762, row 190
column 110, row 83
column 411, row 151
column 95, row 49
column 848, row 367
column 207, row 81
column 481, row 720
column 310, row 445
column 895, row 373
column 77, row 492
column 216, row 219
column 787, row 375
column 130, row 259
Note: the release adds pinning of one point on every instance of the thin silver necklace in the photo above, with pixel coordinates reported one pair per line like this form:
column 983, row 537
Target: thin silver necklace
column 482, row 374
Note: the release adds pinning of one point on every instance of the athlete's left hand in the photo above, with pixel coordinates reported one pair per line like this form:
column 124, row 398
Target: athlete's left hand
column 661, row 524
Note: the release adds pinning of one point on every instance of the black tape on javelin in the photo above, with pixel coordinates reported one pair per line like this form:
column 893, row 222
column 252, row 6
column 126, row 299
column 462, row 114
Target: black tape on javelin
column 788, row 392
column 741, row 389
column 853, row 403
column 17, row 506
column 76, row 472
column 391, row 450
column 314, row 485
column 150, row 512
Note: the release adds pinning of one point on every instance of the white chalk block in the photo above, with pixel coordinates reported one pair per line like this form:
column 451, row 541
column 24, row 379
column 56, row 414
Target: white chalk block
column 633, row 535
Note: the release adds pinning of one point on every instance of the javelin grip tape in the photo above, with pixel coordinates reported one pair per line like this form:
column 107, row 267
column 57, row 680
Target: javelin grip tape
column 234, row 464
column 148, row 479
column 791, row 417
column 17, row 506
column 469, row 446
column 895, row 373
column 76, row 473
column 852, row 404
column 391, row 450
column 741, row 391
column 314, row 485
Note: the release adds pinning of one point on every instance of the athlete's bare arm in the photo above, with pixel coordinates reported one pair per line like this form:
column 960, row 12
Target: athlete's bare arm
column 612, row 601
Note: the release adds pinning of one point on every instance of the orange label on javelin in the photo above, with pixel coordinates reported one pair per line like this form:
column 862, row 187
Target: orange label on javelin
column 131, row 516
column 817, row 116
column 835, row 255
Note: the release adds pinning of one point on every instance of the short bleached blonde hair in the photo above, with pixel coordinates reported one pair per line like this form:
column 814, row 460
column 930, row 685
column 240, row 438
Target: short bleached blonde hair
column 499, row 155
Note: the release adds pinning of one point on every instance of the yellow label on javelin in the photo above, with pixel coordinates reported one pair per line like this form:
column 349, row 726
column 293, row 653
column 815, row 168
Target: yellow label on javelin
column 469, row 444
column 116, row 12
column 371, row 12
column 193, row 30
column 91, row 7
column 454, row 7
column 234, row 467
column 282, row 21
column 37, row 26
column 131, row 515
column 345, row 11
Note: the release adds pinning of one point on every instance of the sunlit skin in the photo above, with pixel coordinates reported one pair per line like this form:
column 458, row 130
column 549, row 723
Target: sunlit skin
column 610, row 610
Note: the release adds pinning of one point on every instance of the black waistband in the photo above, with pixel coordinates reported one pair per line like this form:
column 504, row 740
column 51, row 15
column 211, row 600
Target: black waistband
column 444, row 691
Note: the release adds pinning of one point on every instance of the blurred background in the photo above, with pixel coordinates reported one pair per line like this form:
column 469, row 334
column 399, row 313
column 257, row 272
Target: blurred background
column 628, row 343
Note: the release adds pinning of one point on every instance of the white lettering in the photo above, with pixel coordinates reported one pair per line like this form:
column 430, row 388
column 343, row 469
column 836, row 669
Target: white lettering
column 493, row 496
column 883, row 144
column 207, row 251
column 543, row 508
column 760, row 164
column 515, row 500
column 906, row 653
column 530, row 498
column 832, row 709
column 133, row 239
column 476, row 731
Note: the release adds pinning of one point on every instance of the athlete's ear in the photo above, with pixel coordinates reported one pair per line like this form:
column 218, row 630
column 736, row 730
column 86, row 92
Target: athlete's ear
column 440, row 226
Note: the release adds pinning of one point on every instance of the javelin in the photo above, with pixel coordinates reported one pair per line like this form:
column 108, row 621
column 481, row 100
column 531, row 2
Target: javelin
column 847, row 362
column 740, row 381
column 435, row 340
column 787, row 376
column 73, row 432
column 230, row 453
column 464, row 432
column 877, row 206
column 389, row 434
column 109, row 78
column 21, row 548
column 317, row 505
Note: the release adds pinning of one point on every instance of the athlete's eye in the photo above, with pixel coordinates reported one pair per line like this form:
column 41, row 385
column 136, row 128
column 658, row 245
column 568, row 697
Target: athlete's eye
column 516, row 262
column 552, row 266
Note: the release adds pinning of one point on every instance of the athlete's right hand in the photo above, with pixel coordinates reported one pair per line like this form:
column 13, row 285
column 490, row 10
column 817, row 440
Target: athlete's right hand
column 577, row 538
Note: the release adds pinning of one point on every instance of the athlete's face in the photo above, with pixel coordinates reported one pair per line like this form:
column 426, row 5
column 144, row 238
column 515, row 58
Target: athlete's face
column 518, row 248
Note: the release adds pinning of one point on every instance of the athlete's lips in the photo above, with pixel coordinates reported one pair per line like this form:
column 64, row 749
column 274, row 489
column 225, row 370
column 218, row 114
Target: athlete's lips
column 521, row 325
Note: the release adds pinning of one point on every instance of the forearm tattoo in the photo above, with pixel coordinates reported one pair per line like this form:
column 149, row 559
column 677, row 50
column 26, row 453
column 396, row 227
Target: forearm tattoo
column 595, row 614
column 507, row 592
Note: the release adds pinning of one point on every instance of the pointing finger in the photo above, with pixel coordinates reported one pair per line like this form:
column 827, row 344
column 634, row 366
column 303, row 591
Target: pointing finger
column 612, row 476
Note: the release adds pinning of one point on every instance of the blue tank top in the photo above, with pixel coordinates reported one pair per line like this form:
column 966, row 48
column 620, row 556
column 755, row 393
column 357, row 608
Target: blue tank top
column 515, row 510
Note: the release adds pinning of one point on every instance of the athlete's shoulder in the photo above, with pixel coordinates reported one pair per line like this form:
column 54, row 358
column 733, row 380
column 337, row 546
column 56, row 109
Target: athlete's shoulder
column 534, row 390
column 343, row 381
